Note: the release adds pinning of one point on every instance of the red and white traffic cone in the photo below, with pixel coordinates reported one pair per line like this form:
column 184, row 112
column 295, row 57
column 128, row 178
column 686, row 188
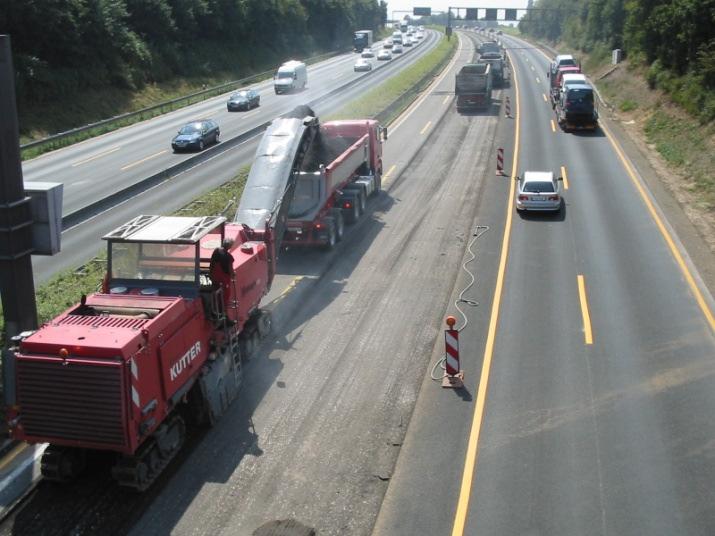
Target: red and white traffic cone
column 507, row 108
column 454, row 377
column 500, row 162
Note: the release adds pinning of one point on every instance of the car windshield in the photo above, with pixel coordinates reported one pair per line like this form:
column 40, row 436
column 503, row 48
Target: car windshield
column 285, row 74
column 579, row 96
column 240, row 95
column 564, row 63
column 538, row 186
column 190, row 129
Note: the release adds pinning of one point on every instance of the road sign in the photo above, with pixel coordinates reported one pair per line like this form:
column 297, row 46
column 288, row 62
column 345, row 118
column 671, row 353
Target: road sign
column 472, row 14
column 422, row 11
column 510, row 14
column 491, row 14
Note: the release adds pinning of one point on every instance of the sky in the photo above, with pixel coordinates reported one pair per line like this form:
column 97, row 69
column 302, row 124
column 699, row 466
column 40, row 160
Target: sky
column 443, row 5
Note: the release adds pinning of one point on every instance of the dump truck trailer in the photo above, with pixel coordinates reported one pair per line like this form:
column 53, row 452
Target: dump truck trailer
column 473, row 87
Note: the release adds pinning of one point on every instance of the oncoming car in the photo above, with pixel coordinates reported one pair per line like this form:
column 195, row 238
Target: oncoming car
column 196, row 135
column 367, row 53
column 384, row 55
column 538, row 191
column 362, row 65
column 243, row 100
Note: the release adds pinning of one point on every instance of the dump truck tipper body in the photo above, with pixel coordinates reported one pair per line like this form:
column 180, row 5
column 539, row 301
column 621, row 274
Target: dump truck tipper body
column 473, row 86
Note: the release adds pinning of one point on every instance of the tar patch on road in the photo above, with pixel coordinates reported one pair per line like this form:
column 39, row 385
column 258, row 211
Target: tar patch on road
column 284, row 527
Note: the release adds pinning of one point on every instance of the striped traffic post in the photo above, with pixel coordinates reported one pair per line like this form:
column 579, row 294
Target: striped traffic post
column 454, row 376
column 500, row 162
column 507, row 108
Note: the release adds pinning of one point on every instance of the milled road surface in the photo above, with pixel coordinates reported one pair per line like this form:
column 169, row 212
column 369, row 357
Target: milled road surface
column 313, row 438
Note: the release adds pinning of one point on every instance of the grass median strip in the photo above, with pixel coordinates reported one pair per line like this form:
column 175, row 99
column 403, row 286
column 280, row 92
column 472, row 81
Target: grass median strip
column 385, row 102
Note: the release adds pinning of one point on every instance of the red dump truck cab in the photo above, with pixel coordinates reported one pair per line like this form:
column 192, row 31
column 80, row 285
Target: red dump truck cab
column 342, row 170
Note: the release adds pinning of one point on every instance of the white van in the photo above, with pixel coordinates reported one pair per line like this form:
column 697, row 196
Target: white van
column 291, row 76
column 397, row 37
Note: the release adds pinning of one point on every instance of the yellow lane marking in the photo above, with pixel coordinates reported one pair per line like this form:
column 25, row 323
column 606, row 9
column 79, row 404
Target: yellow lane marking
column 290, row 288
column 532, row 67
column 95, row 156
column 545, row 99
column 537, row 80
column 709, row 316
column 12, row 455
column 386, row 176
column 707, row 312
column 128, row 166
column 424, row 129
column 565, row 177
column 446, row 98
column 587, row 332
column 407, row 113
column 553, row 126
column 470, row 463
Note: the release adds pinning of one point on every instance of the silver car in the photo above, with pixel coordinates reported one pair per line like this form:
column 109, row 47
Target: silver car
column 538, row 190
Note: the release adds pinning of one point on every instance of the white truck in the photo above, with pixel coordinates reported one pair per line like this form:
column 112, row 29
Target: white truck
column 291, row 76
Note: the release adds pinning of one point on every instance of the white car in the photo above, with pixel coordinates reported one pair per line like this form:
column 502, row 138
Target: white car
column 388, row 43
column 538, row 191
column 362, row 65
column 383, row 55
column 367, row 53
column 397, row 49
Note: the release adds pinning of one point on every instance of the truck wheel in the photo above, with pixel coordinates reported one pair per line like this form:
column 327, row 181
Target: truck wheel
column 332, row 235
column 361, row 203
column 378, row 183
column 339, row 224
column 351, row 214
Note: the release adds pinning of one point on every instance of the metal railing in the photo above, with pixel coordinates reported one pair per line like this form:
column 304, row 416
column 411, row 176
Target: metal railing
column 62, row 139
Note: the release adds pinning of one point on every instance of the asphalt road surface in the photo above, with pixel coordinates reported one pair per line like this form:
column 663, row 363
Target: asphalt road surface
column 588, row 352
column 80, row 243
column 591, row 360
column 97, row 167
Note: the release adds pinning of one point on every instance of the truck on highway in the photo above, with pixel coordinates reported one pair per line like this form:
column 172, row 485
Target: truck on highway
column 496, row 60
column 160, row 347
column 291, row 76
column 489, row 47
column 343, row 168
column 473, row 86
column 403, row 27
column 362, row 40
column 576, row 108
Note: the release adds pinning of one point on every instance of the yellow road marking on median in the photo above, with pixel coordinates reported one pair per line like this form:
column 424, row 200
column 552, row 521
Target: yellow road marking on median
column 128, row 166
column 424, row 128
column 697, row 294
column 553, row 126
column 545, row 99
column 532, row 67
column 587, row 332
column 94, row 157
column 470, row 463
column 386, row 176
column 408, row 112
column 565, row 177
column 537, row 80
column 12, row 455
column 709, row 316
column 446, row 99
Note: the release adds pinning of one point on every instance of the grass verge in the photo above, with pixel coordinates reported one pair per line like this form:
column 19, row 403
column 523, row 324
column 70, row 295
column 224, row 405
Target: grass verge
column 387, row 101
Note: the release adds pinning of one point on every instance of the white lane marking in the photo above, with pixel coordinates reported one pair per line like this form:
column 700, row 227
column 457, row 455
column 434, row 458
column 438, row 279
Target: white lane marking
column 129, row 166
column 95, row 156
